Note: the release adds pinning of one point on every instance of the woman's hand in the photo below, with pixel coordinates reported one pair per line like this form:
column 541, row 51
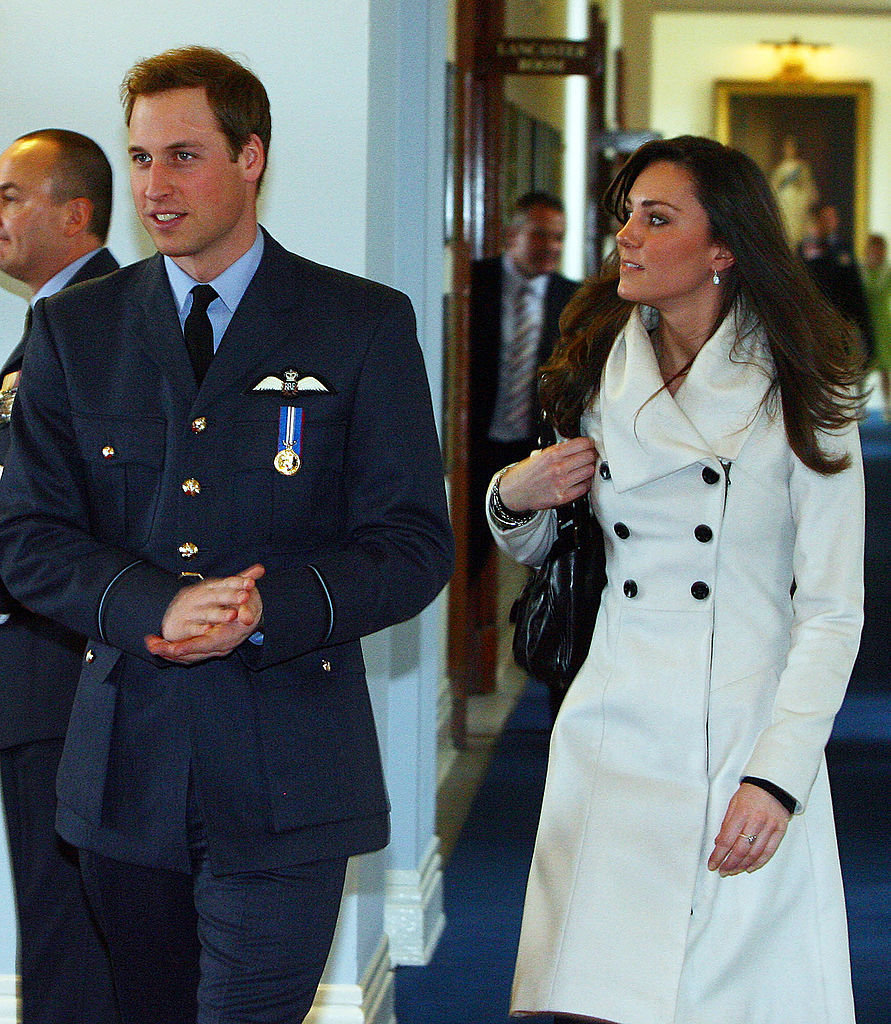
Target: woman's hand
column 550, row 477
column 752, row 811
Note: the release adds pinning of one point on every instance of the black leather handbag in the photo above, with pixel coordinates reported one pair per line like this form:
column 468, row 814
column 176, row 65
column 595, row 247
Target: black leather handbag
column 555, row 612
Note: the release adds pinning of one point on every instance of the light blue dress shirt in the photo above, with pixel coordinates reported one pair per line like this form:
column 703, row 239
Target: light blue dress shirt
column 230, row 286
column 58, row 281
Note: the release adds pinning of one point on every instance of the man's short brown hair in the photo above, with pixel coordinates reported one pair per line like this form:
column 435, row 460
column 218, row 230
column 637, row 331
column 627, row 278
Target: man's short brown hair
column 236, row 96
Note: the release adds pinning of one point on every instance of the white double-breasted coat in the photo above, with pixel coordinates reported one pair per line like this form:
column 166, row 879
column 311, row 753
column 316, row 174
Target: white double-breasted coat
column 703, row 669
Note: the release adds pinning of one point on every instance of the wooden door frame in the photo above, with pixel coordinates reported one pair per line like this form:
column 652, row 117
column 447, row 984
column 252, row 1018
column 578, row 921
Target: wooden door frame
column 478, row 217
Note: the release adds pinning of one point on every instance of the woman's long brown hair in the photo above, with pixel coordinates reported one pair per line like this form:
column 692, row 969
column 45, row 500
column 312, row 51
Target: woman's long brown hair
column 818, row 366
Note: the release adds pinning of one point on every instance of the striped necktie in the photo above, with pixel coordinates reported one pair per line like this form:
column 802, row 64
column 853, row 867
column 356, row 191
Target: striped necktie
column 523, row 362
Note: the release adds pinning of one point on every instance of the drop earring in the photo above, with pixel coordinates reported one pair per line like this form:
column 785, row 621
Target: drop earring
column 715, row 278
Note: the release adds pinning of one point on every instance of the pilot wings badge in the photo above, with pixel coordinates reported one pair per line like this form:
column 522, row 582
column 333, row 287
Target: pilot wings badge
column 290, row 382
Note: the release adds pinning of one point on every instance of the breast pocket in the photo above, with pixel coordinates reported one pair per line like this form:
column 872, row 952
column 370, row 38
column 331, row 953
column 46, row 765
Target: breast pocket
column 313, row 494
column 124, row 459
column 279, row 496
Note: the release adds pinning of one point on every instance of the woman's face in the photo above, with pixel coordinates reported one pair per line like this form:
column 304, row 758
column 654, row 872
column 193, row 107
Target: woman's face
column 668, row 257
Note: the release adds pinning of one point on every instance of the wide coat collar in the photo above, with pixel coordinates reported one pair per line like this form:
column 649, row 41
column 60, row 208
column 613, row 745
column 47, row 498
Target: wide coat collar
column 647, row 433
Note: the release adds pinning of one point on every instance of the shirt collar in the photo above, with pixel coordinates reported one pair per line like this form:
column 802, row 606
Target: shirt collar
column 58, row 281
column 516, row 281
column 230, row 285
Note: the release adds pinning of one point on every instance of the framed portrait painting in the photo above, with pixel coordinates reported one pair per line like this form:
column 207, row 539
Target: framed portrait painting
column 811, row 139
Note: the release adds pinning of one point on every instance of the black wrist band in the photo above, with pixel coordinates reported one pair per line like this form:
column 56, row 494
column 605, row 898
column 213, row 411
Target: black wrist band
column 786, row 799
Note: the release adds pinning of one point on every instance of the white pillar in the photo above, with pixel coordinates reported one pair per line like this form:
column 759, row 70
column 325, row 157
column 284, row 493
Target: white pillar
column 575, row 158
column 413, row 916
column 405, row 248
column 357, row 986
column 392, row 906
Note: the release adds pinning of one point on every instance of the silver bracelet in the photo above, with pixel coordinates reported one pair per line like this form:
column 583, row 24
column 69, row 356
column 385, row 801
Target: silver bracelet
column 506, row 518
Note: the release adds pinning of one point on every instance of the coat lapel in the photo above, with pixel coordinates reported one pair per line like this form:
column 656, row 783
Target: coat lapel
column 14, row 360
column 99, row 264
column 157, row 329
column 648, row 434
column 263, row 318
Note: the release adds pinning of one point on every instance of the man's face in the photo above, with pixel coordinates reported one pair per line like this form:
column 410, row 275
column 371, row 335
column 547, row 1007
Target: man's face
column 32, row 222
column 537, row 244
column 196, row 202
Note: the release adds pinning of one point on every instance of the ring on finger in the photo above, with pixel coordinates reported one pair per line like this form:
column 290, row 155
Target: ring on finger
column 749, row 839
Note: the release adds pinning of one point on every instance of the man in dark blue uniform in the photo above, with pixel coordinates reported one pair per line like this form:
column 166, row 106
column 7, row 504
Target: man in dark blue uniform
column 224, row 471
column 55, row 205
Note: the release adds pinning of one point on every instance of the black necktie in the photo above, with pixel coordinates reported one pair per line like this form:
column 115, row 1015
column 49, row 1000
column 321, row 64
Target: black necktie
column 197, row 330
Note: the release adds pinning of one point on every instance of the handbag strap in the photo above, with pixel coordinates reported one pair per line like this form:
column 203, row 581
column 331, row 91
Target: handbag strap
column 574, row 513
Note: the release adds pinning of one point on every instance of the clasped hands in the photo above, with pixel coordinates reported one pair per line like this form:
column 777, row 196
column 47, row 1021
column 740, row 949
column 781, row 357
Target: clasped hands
column 550, row 477
column 210, row 618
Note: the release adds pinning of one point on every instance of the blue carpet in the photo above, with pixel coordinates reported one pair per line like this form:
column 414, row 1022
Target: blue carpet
column 859, row 756
column 468, row 980
column 859, row 753
column 873, row 669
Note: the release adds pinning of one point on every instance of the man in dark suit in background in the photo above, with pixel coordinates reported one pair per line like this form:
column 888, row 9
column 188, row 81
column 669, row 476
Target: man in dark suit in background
column 515, row 304
column 55, row 204
column 225, row 471
column 833, row 267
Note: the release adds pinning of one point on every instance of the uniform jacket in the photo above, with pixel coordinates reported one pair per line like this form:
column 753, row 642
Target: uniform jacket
column 703, row 669
column 278, row 738
column 39, row 659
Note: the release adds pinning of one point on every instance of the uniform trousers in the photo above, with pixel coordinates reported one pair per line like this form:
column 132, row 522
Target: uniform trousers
column 242, row 948
column 63, row 963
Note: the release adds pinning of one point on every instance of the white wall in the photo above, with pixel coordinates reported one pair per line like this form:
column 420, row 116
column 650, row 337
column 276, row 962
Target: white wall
column 690, row 51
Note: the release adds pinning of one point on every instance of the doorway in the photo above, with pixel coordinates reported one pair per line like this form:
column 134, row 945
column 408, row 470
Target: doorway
column 526, row 100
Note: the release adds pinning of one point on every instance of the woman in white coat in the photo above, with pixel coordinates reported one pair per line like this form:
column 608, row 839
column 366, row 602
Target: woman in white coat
column 685, row 869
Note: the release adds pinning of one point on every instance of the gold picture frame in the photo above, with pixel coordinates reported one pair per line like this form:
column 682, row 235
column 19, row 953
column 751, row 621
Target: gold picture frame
column 826, row 122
